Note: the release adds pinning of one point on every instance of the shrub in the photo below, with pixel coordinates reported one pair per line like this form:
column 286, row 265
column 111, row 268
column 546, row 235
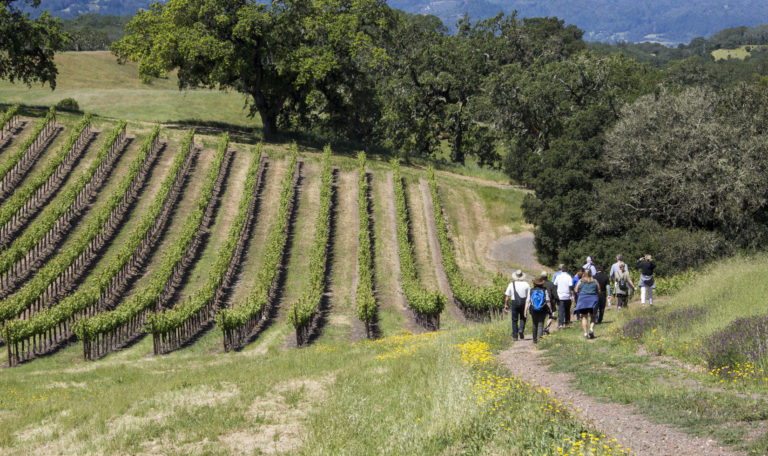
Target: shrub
column 68, row 104
column 745, row 340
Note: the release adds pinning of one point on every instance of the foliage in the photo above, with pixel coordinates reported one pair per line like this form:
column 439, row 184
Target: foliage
column 482, row 299
column 68, row 104
column 423, row 301
column 290, row 58
column 239, row 314
column 743, row 341
column 146, row 298
column 9, row 114
column 88, row 293
column 693, row 161
column 366, row 301
column 21, row 149
column 27, row 46
column 22, row 194
column 57, row 208
column 301, row 313
column 92, row 31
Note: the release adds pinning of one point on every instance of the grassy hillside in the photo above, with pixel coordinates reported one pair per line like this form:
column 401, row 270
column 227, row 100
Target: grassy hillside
column 103, row 87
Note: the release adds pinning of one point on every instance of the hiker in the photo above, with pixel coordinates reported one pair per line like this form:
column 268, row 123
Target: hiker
column 518, row 293
column 590, row 264
column 615, row 267
column 539, row 306
column 646, row 266
column 574, row 283
column 623, row 284
column 557, row 273
column 602, row 280
column 553, row 300
column 564, row 284
column 587, row 290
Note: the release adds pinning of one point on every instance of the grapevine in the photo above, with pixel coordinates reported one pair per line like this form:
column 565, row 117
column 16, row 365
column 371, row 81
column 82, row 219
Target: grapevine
column 303, row 312
column 173, row 327
column 475, row 301
column 366, row 302
column 85, row 299
column 426, row 304
column 238, row 320
column 134, row 309
column 33, row 139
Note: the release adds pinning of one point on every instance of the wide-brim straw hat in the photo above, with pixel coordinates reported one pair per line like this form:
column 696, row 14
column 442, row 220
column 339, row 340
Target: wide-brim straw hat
column 518, row 275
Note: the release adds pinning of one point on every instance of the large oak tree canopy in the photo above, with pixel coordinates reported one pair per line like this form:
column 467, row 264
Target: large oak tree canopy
column 294, row 59
column 27, row 46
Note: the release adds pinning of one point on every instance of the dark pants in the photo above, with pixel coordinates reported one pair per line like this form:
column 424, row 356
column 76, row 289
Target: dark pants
column 538, row 324
column 621, row 301
column 518, row 313
column 600, row 307
column 564, row 312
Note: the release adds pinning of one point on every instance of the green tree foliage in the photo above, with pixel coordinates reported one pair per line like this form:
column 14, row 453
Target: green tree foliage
column 555, row 115
column 433, row 91
column 27, row 46
column 297, row 61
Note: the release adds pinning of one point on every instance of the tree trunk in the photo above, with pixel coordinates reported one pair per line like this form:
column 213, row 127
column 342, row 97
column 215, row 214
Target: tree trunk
column 269, row 123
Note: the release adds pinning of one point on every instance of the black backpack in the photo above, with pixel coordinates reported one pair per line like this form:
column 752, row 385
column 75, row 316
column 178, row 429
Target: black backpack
column 622, row 284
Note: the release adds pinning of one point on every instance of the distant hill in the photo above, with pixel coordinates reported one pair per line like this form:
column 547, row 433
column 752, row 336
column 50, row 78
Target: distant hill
column 664, row 21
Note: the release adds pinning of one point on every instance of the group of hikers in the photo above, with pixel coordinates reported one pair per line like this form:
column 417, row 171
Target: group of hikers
column 588, row 291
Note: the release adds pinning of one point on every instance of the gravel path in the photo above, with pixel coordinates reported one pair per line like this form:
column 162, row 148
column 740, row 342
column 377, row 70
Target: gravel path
column 618, row 421
column 515, row 251
column 437, row 254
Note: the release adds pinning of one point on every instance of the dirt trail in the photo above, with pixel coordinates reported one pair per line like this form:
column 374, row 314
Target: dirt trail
column 344, row 271
column 515, row 251
column 437, row 255
column 481, row 181
column 422, row 251
column 391, row 215
column 618, row 421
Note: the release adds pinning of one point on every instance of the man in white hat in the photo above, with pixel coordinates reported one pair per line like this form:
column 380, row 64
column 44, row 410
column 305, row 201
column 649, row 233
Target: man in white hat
column 590, row 265
column 517, row 292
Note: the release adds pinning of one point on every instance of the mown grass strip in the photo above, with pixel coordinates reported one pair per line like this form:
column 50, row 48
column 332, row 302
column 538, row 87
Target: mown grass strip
column 21, row 150
column 426, row 304
column 21, row 196
column 476, row 302
column 127, row 320
column 64, row 316
column 366, row 301
column 174, row 327
column 304, row 311
column 49, row 218
column 237, row 321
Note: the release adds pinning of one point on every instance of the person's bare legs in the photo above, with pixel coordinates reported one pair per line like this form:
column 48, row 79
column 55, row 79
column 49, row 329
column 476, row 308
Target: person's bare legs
column 591, row 324
column 584, row 323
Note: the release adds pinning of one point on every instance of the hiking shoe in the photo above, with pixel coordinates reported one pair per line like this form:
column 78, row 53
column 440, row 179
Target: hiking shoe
column 591, row 334
column 546, row 332
column 522, row 336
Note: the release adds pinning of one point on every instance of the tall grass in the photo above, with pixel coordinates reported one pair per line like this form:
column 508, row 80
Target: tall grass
column 711, row 308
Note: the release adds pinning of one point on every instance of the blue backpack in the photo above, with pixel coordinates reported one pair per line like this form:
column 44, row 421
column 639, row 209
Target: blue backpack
column 538, row 299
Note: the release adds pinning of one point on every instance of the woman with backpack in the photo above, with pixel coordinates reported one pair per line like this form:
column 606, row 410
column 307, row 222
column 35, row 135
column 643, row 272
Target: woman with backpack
column 623, row 283
column 588, row 291
column 539, row 305
column 646, row 265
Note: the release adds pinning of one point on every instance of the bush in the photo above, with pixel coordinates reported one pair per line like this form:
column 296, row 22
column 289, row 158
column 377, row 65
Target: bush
column 68, row 104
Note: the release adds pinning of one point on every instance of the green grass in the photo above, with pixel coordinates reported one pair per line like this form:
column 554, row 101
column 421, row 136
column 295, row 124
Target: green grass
column 663, row 374
column 401, row 395
column 101, row 86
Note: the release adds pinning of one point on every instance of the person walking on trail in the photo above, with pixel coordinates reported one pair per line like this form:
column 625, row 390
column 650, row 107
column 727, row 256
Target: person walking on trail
column 602, row 280
column 518, row 293
column 615, row 267
column 574, row 283
column 553, row 300
column 590, row 264
column 564, row 284
column 557, row 273
column 539, row 306
column 623, row 284
column 588, row 291
column 646, row 265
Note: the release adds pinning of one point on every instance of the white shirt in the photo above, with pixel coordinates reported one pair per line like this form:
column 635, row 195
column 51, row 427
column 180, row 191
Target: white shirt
column 522, row 288
column 590, row 267
column 564, row 282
